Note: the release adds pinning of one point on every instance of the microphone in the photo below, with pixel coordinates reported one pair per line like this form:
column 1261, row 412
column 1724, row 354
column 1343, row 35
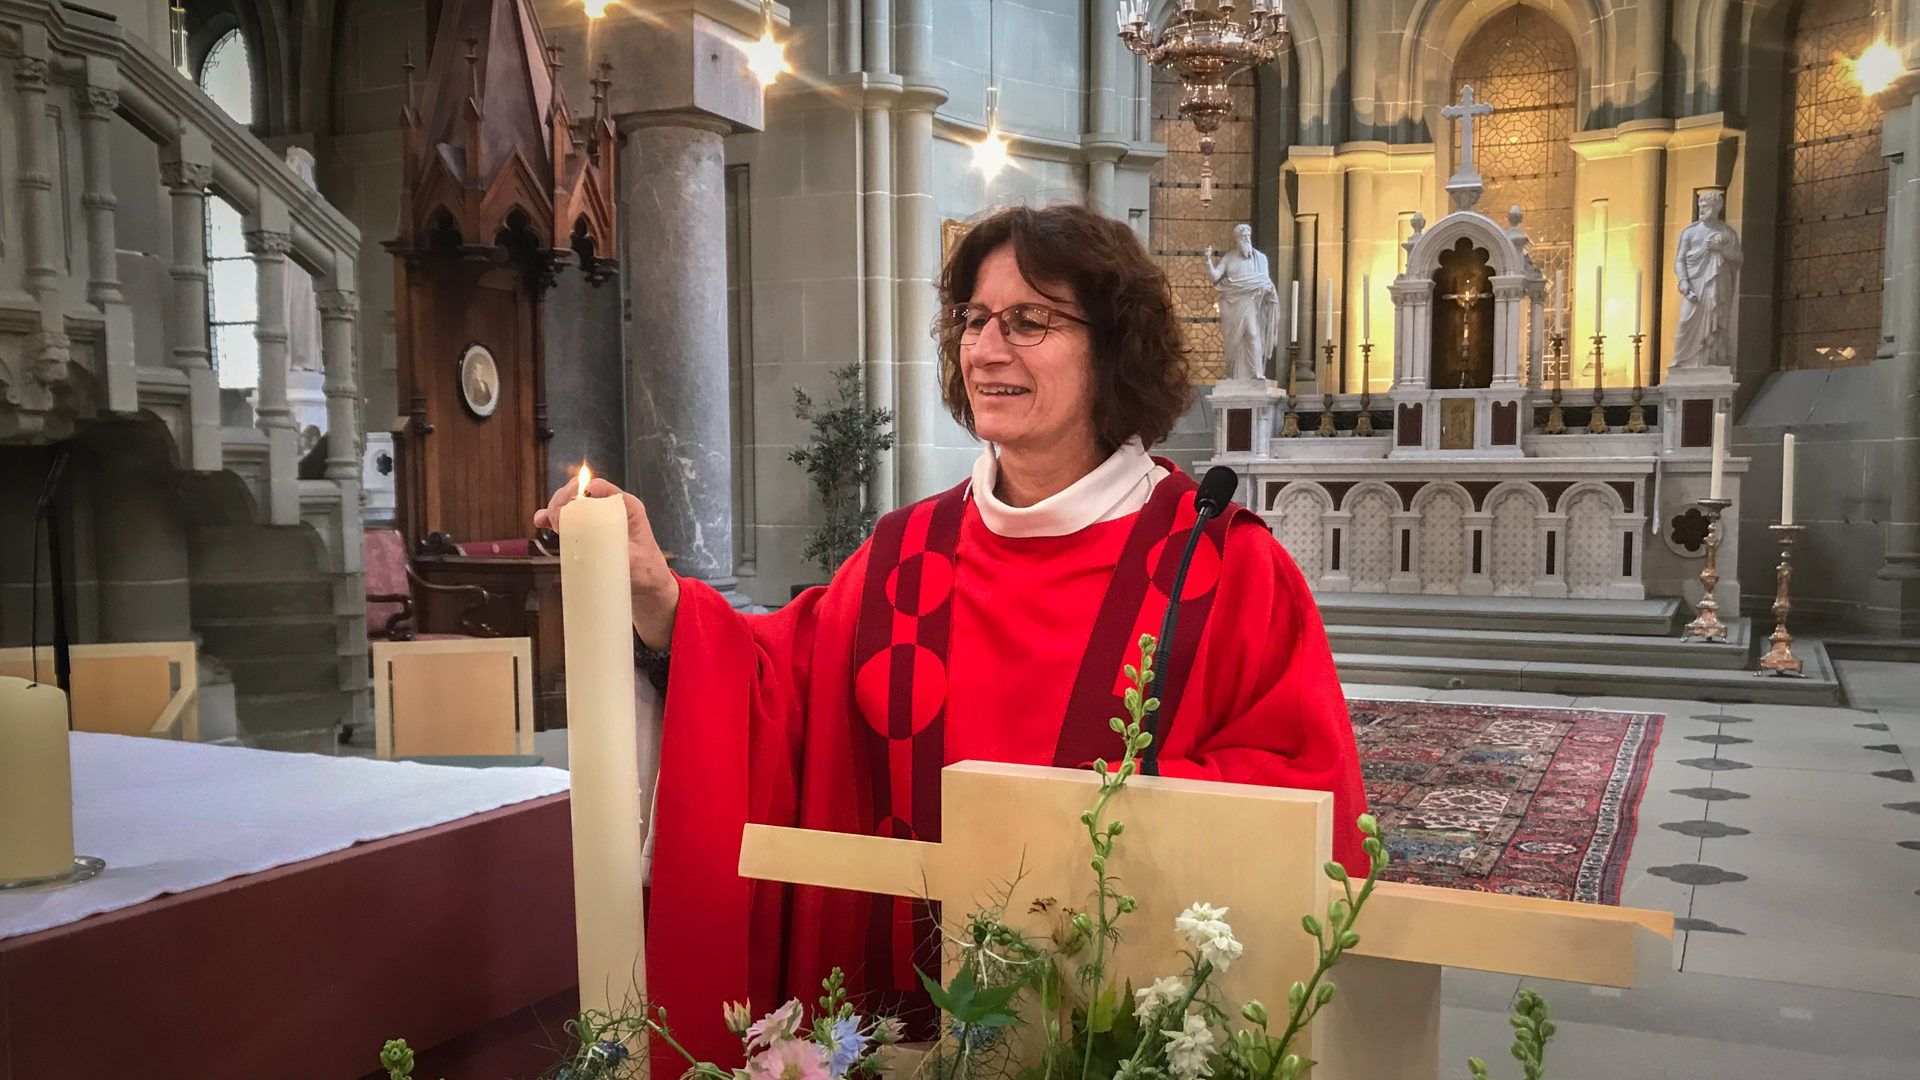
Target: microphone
column 1216, row 491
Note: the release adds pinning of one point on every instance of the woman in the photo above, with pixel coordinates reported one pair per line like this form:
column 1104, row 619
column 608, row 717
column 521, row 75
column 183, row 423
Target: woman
column 1031, row 583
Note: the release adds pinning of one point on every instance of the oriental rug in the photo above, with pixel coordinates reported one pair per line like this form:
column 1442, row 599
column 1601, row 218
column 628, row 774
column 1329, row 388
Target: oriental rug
column 1527, row 801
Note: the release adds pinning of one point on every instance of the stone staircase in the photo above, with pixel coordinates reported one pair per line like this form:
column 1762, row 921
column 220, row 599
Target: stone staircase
column 1624, row 648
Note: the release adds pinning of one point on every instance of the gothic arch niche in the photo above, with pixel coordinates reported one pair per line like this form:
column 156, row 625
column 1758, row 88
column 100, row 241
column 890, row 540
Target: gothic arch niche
column 1462, row 355
column 1522, row 63
column 1833, row 199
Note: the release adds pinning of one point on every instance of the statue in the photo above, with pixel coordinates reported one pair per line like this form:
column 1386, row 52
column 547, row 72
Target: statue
column 1707, row 267
column 1249, row 307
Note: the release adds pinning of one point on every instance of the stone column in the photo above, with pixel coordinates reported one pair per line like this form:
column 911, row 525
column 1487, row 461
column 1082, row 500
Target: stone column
column 269, row 248
column 876, row 214
column 186, row 179
column 103, row 251
column 339, row 309
column 916, row 253
column 48, row 349
column 674, row 266
column 1902, row 567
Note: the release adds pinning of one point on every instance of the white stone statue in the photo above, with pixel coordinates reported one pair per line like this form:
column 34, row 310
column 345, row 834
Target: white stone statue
column 1249, row 306
column 1707, row 266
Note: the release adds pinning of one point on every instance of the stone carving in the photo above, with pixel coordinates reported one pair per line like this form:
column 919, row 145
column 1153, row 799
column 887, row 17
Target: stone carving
column 1371, row 541
column 1443, row 555
column 1593, row 556
column 267, row 242
column 1249, row 306
column 1707, row 266
column 1302, row 509
column 1516, row 545
column 31, row 72
column 337, row 303
column 101, row 102
column 186, row 175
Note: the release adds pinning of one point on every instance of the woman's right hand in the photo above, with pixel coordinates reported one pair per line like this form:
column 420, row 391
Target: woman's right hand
column 655, row 589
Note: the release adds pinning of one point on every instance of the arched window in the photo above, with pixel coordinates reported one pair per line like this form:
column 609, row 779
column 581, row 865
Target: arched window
column 1833, row 225
column 232, row 298
column 1522, row 63
column 1183, row 226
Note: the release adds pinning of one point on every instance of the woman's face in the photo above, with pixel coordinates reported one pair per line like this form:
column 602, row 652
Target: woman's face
column 1028, row 398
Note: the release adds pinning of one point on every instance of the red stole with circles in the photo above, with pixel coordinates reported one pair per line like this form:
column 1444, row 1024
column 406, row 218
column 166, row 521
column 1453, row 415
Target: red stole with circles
column 899, row 674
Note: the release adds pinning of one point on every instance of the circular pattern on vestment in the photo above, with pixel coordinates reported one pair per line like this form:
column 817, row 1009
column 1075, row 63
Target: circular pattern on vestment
column 927, row 694
column 1202, row 574
column 935, row 572
column 895, row 827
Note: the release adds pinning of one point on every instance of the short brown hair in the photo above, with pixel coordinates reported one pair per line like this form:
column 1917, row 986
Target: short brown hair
column 1142, row 382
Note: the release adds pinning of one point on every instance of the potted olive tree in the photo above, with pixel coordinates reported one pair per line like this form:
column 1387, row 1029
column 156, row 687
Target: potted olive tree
column 841, row 457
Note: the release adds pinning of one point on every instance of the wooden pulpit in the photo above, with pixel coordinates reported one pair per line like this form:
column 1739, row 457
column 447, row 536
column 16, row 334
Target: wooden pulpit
column 1257, row 851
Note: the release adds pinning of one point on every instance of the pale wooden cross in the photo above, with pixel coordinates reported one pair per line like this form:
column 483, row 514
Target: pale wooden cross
column 1465, row 112
column 1257, row 851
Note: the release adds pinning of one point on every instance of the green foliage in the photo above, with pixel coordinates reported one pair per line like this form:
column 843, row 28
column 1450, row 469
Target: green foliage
column 969, row 1004
column 841, row 457
column 1531, row 1030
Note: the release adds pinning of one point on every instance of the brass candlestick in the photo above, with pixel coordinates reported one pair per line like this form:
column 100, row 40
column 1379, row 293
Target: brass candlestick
column 1364, row 426
column 1325, row 430
column 1290, row 424
column 1557, row 420
column 1780, row 659
column 1637, row 418
column 1597, row 423
column 1707, row 626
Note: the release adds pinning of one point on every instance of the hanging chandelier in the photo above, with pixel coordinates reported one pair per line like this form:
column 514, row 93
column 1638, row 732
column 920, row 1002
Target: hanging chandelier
column 1206, row 47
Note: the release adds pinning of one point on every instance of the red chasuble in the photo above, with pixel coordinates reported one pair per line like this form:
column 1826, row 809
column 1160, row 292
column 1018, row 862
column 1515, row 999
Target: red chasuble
column 940, row 641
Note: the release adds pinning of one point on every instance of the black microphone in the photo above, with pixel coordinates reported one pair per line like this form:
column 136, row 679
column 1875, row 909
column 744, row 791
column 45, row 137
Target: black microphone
column 47, row 513
column 1216, row 491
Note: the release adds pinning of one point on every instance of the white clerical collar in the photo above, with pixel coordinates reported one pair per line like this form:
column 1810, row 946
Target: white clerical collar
column 1115, row 488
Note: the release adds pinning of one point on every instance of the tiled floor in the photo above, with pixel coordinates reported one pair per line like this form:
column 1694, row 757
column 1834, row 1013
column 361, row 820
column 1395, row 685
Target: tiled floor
column 1788, row 837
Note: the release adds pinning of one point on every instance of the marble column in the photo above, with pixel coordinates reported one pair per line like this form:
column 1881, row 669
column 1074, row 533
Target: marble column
column 269, row 248
column 674, row 267
column 916, row 254
column 48, row 349
column 97, row 109
column 186, row 181
column 876, row 211
column 339, row 310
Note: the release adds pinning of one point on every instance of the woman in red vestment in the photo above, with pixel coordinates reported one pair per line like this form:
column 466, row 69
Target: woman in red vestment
column 990, row 622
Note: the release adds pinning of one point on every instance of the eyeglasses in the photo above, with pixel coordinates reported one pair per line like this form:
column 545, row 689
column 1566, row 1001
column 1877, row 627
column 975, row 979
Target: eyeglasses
column 1021, row 324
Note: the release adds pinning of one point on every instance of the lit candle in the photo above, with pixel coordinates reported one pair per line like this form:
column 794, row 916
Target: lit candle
column 1366, row 307
column 1329, row 311
column 1786, row 480
column 1560, row 302
column 36, row 782
column 1295, row 335
column 1599, row 300
column 1717, row 484
column 1636, row 303
column 602, row 749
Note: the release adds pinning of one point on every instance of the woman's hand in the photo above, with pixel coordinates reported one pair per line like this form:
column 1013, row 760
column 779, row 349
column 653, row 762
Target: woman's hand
column 656, row 592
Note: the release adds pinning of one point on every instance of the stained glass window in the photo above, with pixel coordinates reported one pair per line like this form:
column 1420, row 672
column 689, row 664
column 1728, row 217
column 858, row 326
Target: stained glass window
column 1183, row 226
column 1522, row 63
column 227, row 77
column 1833, row 214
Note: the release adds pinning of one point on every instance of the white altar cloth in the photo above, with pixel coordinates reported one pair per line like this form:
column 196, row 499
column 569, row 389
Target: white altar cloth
column 171, row 816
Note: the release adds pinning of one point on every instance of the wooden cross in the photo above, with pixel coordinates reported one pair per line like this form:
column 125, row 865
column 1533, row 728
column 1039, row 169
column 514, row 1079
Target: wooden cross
column 1257, row 851
column 1465, row 112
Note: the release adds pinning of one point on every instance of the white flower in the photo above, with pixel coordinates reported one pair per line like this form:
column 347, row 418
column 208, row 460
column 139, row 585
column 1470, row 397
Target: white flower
column 1221, row 950
column 1202, row 921
column 1163, row 992
column 1189, row 1048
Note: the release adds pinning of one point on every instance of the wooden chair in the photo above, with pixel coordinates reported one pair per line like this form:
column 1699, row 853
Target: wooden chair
column 392, row 614
column 453, row 696
column 149, row 688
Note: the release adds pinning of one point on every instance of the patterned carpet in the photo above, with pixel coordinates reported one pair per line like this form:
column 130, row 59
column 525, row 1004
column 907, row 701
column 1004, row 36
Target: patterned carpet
column 1534, row 802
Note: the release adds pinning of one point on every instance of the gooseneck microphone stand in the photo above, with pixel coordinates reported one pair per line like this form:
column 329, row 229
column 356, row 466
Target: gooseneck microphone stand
column 1216, row 491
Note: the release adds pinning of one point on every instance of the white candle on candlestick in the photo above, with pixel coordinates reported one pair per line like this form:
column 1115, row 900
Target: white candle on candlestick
column 1294, row 336
column 1599, row 300
column 1636, row 302
column 602, row 750
column 36, row 782
column 1329, row 311
column 1717, row 484
column 1560, row 302
column 1786, row 480
column 1366, row 307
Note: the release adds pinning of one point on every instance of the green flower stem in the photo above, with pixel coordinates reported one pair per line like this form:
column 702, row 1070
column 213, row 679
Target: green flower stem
column 700, row 1068
column 1302, row 1014
column 1200, row 976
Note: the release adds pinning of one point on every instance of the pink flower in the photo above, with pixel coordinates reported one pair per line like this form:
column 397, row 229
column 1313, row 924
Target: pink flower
column 789, row 1059
column 779, row 1024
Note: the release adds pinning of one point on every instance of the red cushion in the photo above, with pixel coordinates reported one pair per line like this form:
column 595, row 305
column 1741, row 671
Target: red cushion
column 512, row 549
column 385, row 555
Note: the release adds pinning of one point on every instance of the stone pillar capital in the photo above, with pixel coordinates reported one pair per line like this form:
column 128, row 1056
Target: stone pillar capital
column 186, row 176
column 100, row 103
column 269, row 243
column 31, row 72
column 686, row 118
column 337, row 303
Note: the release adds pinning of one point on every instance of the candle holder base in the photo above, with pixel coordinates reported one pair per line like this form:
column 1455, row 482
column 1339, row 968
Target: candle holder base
column 1637, row 420
column 1364, row 425
column 1780, row 660
column 1325, row 430
column 1290, row 426
column 85, row 867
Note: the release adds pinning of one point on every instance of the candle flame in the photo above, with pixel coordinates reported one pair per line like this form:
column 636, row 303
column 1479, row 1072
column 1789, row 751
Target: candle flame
column 586, row 477
column 1878, row 67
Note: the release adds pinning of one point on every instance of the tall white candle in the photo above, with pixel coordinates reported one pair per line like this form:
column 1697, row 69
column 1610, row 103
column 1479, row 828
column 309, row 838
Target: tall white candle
column 36, row 782
column 1717, row 484
column 1294, row 335
column 1366, row 307
column 1636, row 301
column 1329, row 311
column 1560, row 302
column 1599, row 300
column 602, row 750
column 1786, row 480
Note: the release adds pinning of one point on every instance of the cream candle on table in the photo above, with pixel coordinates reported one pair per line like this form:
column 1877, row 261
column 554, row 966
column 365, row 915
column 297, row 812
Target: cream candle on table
column 36, row 782
column 1599, row 300
column 1637, row 282
column 602, row 750
column 1560, row 302
column 1786, row 480
column 1717, row 484
column 1294, row 334
column 1329, row 311
column 1366, row 307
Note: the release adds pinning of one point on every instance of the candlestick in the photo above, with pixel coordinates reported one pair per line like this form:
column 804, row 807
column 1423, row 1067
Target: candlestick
column 1597, row 423
column 1707, row 626
column 1637, row 416
column 1786, row 480
column 1557, row 420
column 36, row 783
column 1294, row 313
column 1599, row 300
column 602, row 750
column 1780, row 659
column 1715, row 485
column 1636, row 302
column 1325, row 430
column 1290, row 424
column 1560, row 302
column 1364, row 426
column 1329, row 311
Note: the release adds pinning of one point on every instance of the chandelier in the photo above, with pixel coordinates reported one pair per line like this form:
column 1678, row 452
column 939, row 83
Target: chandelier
column 1206, row 48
